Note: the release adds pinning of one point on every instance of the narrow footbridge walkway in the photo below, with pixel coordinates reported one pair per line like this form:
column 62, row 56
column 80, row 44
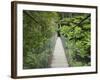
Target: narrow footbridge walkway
column 59, row 58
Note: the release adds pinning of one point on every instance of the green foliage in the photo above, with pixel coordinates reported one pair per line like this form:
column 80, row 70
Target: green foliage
column 39, row 36
column 78, row 40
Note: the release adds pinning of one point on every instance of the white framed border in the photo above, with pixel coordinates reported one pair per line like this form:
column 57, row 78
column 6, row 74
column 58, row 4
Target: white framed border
column 50, row 71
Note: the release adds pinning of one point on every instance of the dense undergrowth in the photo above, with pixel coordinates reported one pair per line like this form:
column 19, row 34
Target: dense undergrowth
column 40, row 33
column 39, row 36
column 77, row 35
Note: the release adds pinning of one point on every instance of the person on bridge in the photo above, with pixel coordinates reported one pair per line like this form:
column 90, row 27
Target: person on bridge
column 58, row 32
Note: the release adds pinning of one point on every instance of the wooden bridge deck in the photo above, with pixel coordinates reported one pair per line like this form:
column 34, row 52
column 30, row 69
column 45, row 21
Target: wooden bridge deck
column 59, row 57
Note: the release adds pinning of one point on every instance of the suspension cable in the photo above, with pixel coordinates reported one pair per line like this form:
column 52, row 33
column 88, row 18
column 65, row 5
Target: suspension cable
column 82, row 20
column 32, row 18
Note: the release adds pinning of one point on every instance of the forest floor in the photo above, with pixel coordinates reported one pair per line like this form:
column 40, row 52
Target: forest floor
column 59, row 58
